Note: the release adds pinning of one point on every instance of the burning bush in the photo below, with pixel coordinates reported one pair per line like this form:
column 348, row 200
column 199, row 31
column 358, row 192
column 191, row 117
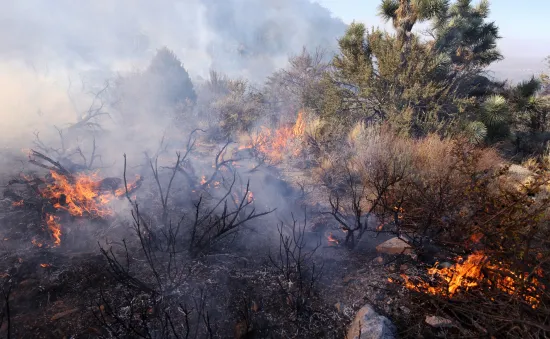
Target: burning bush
column 454, row 202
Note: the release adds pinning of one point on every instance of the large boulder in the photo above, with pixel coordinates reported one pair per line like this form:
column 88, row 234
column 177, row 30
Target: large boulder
column 370, row 325
column 394, row 246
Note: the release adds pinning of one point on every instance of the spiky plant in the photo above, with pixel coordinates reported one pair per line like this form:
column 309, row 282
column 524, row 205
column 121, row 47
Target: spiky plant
column 476, row 132
column 495, row 110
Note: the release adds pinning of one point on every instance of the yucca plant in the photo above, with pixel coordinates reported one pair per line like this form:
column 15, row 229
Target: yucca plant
column 496, row 116
column 476, row 132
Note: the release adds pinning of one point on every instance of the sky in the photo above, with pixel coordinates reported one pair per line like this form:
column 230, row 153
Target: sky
column 524, row 27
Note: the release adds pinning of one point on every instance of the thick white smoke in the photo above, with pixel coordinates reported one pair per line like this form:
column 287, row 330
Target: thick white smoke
column 47, row 47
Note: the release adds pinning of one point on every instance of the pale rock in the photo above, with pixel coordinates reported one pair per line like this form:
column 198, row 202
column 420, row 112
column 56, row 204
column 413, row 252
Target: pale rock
column 394, row 246
column 370, row 325
column 435, row 321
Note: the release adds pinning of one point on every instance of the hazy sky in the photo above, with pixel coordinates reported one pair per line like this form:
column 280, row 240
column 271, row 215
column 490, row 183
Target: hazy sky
column 524, row 25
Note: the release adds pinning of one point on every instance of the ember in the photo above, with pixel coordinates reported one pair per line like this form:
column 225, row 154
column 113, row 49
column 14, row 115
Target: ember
column 37, row 243
column 332, row 240
column 17, row 203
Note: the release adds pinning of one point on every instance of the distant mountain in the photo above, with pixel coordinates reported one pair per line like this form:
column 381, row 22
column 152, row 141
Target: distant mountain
column 516, row 69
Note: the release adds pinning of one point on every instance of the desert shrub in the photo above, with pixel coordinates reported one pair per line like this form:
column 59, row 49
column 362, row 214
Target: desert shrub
column 298, row 85
column 503, row 225
column 229, row 105
column 452, row 199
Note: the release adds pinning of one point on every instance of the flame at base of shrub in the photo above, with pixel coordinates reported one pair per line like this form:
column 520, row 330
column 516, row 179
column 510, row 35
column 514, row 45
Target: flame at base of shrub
column 79, row 195
column 275, row 144
column 475, row 272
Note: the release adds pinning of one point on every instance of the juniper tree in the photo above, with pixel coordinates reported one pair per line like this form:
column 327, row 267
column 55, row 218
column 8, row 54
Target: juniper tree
column 167, row 72
column 418, row 86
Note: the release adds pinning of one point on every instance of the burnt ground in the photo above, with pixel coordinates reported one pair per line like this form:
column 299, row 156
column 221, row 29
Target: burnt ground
column 63, row 292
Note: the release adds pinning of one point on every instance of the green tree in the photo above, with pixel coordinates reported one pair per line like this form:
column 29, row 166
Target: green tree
column 531, row 113
column 420, row 86
column 169, row 79
column 470, row 41
column 404, row 14
column 375, row 85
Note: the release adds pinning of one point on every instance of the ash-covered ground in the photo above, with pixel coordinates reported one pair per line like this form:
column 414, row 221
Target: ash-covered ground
column 212, row 242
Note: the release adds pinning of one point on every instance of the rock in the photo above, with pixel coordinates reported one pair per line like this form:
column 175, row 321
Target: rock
column 435, row 321
column 394, row 246
column 370, row 325
column 378, row 260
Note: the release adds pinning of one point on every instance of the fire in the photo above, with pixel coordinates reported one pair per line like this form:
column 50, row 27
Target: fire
column 332, row 240
column 17, row 203
column 79, row 195
column 131, row 186
column 83, row 195
column 274, row 144
column 37, row 243
column 45, row 265
column 54, row 227
column 78, row 198
column 474, row 271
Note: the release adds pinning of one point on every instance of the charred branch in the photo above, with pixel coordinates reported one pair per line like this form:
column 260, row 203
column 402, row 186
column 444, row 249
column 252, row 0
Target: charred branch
column 295, row 265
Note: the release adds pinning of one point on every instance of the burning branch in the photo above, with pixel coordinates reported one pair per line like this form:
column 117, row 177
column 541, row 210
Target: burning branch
column 56, row 165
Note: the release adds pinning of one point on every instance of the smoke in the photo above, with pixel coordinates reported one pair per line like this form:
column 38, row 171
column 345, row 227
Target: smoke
column 51, row 48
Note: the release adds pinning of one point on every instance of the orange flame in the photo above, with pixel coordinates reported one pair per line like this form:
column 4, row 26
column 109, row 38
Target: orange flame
column 274, row 144
column 474, row 271
column 17, row 203
column 332, row 240
column 55, row 228
column 131, row 186
column 36, row 243
column 45, row 265
column 83, row 196
column 79, row 198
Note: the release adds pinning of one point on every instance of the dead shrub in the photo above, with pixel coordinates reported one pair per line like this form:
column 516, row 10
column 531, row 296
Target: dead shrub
column 456, row 199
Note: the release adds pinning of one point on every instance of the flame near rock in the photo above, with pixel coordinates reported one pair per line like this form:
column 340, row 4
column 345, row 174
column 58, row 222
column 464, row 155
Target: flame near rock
column 473, row 272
